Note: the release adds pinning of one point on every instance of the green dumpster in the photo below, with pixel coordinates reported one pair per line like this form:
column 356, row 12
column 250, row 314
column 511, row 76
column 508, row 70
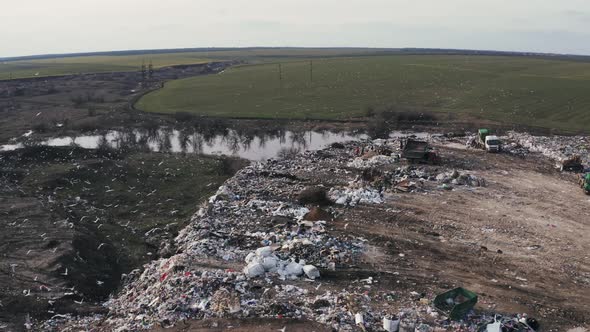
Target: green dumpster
column 456, row 303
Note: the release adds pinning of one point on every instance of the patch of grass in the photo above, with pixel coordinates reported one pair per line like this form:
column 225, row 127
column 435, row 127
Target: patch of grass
column 531, row 91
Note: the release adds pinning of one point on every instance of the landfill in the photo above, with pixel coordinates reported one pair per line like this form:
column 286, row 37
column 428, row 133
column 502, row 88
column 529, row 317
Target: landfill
column 253, row 251
column 558, row 148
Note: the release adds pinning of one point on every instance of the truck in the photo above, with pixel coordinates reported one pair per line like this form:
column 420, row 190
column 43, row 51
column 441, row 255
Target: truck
column 417, row 151
column 484, row 140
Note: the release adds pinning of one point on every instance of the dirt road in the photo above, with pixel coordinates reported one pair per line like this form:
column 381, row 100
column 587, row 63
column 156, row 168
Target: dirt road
column 521, row 242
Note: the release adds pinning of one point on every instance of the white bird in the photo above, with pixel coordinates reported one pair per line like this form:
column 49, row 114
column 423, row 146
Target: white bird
column 65, row 273
column 283, row 329
column 27, row 292
column 100, row 283
column 100, row 246
column 59, row 316
column 51, row 302
column 81, row 301
column 38, row 114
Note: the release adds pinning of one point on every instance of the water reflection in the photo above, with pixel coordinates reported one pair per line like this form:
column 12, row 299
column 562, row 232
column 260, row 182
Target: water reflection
column 249, row 144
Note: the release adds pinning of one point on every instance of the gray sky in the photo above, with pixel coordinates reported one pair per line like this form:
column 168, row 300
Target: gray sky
column 62, row 26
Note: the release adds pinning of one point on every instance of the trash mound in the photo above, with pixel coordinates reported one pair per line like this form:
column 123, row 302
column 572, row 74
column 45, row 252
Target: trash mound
column 353, row 195
column 465, row 179
column 249, row 222
column 558, row 148
column 374, row 161
column 249, row 252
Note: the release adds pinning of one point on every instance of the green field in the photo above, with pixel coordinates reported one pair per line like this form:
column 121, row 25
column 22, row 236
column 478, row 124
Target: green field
column 541, row 92
column 118, row 63
column 93, row 64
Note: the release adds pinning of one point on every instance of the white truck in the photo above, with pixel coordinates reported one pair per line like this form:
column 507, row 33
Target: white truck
column 493, row 144
column 485, row 141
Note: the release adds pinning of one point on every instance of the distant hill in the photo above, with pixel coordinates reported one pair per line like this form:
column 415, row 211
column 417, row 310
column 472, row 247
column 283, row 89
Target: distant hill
column 409, row 51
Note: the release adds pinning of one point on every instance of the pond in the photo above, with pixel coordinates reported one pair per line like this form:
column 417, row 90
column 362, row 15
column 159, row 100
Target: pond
column 256, row 147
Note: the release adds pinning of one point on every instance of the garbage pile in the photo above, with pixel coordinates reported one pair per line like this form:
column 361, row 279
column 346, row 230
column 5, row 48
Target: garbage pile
column 558, row 148
column 352, row 195
column 459, row 179
column 263, row 260
column 253, row 250
column 374, row 161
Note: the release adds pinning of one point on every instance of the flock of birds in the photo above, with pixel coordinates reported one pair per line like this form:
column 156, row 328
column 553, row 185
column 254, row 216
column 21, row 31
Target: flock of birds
column 79, row 202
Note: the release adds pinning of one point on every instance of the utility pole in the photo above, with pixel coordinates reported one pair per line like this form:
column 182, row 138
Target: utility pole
column 143, row 70
column 280, row 76
column 150, row 70
column 311, row 71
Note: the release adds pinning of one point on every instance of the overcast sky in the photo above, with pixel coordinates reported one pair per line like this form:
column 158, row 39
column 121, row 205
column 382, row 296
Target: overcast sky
column 63, row 26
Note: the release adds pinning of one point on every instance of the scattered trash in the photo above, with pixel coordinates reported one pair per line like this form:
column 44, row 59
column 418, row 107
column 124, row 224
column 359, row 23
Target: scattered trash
column 258, row 225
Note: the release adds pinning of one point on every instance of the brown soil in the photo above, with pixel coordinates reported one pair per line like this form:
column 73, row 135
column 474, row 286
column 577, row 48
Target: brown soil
column 521, row 243
column 247, row 325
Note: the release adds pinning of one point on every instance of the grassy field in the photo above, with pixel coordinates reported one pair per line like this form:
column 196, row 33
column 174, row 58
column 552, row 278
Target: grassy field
column 541, row 92
column 113, row 63
column 93, row 64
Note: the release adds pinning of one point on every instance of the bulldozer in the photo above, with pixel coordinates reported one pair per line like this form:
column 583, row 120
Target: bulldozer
column 416, row 151
column 571, row 164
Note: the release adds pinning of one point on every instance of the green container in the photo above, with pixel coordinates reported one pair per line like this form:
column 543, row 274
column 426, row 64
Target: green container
column 456, row 303
column 483, row 133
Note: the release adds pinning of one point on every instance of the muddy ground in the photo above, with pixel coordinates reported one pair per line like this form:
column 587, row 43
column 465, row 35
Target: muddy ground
column 74, row 220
